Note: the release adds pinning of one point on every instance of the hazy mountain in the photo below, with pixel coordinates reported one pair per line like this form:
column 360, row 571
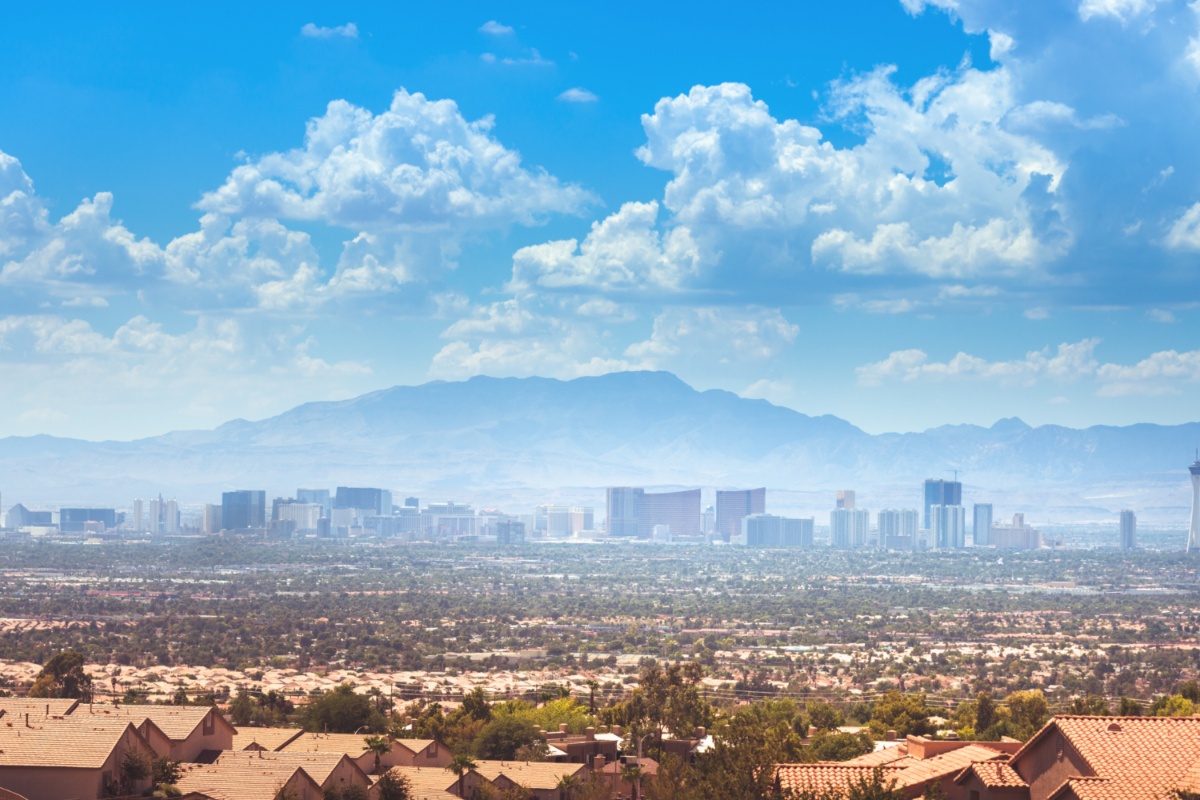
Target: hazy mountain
column 518, row 440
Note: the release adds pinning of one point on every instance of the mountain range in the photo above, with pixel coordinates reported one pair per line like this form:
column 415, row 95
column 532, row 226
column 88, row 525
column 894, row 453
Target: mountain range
column 506, row 441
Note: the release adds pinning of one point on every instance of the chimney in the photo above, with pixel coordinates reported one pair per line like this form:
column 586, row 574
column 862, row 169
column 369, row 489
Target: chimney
column 812, row 731
column 616, row 729
column 598, row 763
column 27, row 725
column 562, row 727
column 891, row 736
column 701, row 731
column 591, row 733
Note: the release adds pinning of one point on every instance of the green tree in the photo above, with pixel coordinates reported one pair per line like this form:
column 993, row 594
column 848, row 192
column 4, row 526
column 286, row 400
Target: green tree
column 1028, row 712
column 63, row 676
column 460, row 765
column 393, row 786
column 1128, row 707
column 824, row 717
column 827, row 746
column 343, row 711
column 380, row 746
column 985, row 712
column 904, row 713
column 504, row 736
column 566, row 786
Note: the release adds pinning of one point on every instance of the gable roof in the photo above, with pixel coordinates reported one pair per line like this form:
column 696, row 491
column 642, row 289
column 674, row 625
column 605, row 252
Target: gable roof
column 819, row 778
column 319, row 766
column 267, row 738
column 1130, row 757
column 177, row 722
column 429, row 783
column 415, row 745
column 36, row 706
column 352, row 744
column 905, row 770
column 530, row 774
column 994, row 775
column 64, row 743
column 233, row 782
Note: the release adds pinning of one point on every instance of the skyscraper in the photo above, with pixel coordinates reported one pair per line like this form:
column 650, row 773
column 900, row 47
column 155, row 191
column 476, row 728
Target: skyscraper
column 1194, row 529
column 243, row 509
column 939, row 492
column 1128, row 530
column 982, row 527
column 949, row 526
column 623, row 510
column 849, row 527
column 733, row 506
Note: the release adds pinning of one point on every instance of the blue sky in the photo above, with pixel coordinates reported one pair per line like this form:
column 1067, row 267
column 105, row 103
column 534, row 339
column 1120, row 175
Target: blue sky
column 904, row 213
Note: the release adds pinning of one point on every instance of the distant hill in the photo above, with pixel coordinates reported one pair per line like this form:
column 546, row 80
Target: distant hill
column 515, row 440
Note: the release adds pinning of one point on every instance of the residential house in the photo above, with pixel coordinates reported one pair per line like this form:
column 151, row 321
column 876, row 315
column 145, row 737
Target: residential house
column 331, row 771
column 185, row 733
column 539, row 778
column 247, row 782
column 428, row 753
column 58, row 757
column 438, row 783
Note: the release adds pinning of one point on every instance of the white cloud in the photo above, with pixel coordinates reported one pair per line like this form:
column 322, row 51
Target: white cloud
column 1185, row 230
column 494, row 28
column 1122, row 10
column 773, row 391
column 1001, row 44
column 1161, row 315
column 1070, row 362
column 578, row 94
column 1037, row 314
column 1157, row 374
column 419, row 166
column 621, row 253
column 313, row 31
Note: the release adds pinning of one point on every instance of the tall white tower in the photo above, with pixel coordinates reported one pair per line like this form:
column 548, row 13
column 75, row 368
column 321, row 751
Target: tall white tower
column 1193, row 544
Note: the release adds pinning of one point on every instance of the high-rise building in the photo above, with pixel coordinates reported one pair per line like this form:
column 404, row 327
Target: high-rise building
column 212, row 518
column 949, row 526
column 898, row 528
column 679, row 511
column 768, row 530
column 243, row 509
column 318, row 496
column 449, row 519
column 373, row 501
column 558, row 520
column 981, row 527
column 154, row 520
column 1128, row 530
column 939, row 492
column 845, row 498
column 849, row 527
column 75, row 520
column 732, row 506
column 1016, row 536
column 171, row 516
column 304, row 516
column 1194, row 529
column 623, row 510
column 510, row 532
column 139, row 518
column 21, row 517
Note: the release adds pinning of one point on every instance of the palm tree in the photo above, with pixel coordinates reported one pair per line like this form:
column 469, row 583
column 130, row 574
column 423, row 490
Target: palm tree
column 380, row 746
column 458, row 765
column 592, row 687
column 566, row 786
column 632, row 773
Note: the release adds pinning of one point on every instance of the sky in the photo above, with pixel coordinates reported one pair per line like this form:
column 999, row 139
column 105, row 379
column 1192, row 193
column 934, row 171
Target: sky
column 906, row 213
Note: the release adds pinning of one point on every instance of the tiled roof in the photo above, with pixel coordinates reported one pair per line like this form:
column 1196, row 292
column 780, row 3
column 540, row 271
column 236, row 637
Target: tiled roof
column 177, row 722
column 267, row 738
column 880, row 757
column 1134, row 757
column 428, row 783
column 13, row 707
column 232, row 782
column 920, row 770
column 319, row 766
column 52, row 742
column 997, row 775
column 351, row 744
column 823, row 776
column 530, row 774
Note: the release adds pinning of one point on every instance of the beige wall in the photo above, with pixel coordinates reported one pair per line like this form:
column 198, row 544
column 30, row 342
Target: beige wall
column 435, row 755
column 65, row 783
column 219, row 738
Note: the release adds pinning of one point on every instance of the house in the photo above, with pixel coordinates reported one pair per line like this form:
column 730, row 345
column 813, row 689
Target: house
column 438, row 783
column 180, row 733
column 57, row 757
column 913, row 766
column 1095, row 758
column 425, row 753
column 610, row 772
column 540, row 778
column 12, row 707
column 269, row 739
column 581, row 748
column 247, row 782
column 331, row 771
column 401, row 754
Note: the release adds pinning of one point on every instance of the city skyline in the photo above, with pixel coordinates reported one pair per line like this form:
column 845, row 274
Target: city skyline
column 903, row 213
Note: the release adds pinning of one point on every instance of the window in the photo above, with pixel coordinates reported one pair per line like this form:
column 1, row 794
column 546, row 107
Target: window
column 431, row 751
column 206, row 728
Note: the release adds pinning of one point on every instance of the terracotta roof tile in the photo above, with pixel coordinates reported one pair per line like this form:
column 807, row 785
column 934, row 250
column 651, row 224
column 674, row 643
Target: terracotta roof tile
column 824, row 776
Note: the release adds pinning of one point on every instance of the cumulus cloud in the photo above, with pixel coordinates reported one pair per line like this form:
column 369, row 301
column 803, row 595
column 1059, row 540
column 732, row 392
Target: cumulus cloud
column 314, row 31
column 722, row 335
column 578, row 94
column 1184, row 233
column 418, row 166
column 623, row 252
column 1122, row 10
